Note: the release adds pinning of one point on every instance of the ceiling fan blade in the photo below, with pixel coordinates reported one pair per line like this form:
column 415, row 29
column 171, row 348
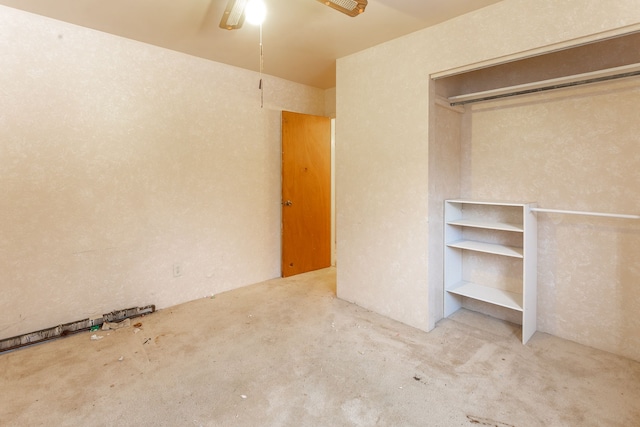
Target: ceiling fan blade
column 348, row 7
column 233, row 16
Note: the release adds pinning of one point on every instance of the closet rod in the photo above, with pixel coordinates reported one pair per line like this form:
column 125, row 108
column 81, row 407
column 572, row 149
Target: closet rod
column 551, row 84
column 609, row 215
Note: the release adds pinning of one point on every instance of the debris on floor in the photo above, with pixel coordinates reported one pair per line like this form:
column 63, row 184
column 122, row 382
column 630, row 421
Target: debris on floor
column 113, row 325
column 90, row 324
column 138, row 325
column 95, row 337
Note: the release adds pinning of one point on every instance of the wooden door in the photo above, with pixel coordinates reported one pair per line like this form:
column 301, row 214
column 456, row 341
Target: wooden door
column 306, row 193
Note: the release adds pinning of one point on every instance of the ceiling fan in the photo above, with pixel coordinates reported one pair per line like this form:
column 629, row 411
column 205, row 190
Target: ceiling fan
column 235, row 12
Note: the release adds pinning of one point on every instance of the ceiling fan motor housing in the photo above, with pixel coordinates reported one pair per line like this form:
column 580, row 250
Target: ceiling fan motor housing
column 234, row 14
column 348, row 7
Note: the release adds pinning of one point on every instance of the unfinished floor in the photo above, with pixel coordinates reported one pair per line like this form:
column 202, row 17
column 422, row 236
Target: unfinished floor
column 288, row 353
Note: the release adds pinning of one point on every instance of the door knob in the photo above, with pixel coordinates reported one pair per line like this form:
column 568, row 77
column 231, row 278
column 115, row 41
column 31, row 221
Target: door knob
column 287, row 203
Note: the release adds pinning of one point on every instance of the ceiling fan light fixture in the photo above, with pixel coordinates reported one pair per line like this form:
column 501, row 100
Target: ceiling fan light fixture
column 255, row 12
column 348, row 7
column 233, row 16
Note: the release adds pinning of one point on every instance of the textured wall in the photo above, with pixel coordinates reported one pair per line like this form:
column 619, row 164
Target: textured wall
column 383, row 137
column 119, row 160
column 330, row 102
column 381, row 179
column 444, row 183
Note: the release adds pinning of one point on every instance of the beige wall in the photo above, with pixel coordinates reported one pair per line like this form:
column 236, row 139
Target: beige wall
column 444, row 182
column 382, row 183
column 330, row 102
column 384, row 171
column 119, row 160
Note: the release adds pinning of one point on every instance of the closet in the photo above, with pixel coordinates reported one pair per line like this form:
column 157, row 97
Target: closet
column 559, row 129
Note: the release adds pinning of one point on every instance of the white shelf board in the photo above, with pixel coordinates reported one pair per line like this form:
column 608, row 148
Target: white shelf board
column 487, row 225
column 490, row 248
column 488, row 294
column 485, row 202
column 546, row 83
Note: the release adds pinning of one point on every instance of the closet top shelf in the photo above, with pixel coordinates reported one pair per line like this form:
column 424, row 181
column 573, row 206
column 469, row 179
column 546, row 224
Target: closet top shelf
column 557, row 83
column 488, row 202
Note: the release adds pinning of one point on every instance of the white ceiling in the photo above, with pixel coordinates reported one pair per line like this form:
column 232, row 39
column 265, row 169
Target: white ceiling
column 301, row 38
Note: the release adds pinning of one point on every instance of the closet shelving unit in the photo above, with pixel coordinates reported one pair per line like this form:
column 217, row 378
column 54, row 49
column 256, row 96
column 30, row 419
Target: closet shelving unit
column 495, row 222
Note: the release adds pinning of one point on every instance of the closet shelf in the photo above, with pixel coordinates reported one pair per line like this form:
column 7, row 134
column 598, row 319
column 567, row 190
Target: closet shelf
column 489, row 248
column 550, row 84
column 488, row 225
column 488, row 202
column 488, row 294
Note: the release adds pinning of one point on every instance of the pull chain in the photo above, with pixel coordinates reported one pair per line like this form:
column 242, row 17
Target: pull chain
column 260, row 86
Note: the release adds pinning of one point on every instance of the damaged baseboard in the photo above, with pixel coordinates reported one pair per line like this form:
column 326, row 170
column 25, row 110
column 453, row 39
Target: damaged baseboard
column 73, row 327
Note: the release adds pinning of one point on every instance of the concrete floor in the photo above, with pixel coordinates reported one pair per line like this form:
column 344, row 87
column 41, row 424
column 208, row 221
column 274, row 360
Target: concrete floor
column 288, row 353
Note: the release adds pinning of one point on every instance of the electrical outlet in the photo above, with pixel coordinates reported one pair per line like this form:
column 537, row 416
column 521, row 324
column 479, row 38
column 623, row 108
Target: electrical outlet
column 177, row 270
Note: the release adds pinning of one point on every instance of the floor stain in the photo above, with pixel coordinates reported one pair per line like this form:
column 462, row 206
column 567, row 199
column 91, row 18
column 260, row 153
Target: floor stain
column 487, row 422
